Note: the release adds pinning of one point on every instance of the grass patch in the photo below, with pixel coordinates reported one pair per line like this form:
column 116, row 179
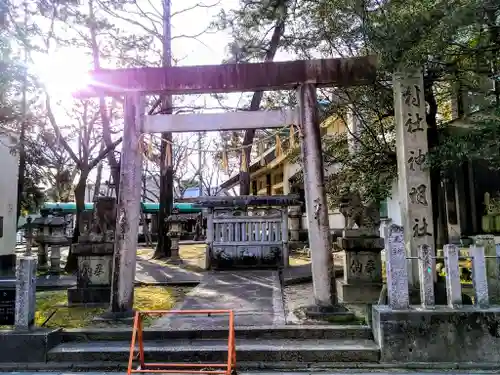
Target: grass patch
column 55, row 302
column 299, row 258
column 193, row 257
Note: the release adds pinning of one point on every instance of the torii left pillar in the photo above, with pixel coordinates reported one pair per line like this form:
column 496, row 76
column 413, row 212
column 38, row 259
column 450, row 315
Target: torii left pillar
column 127, row 218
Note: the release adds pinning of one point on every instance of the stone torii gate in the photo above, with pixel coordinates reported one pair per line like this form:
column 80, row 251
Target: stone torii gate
column 302, row 76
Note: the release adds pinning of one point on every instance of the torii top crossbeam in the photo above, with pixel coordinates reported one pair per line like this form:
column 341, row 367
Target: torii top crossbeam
column 231, row 77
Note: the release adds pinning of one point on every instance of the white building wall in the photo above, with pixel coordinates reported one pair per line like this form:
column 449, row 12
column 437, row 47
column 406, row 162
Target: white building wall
column 8, row 191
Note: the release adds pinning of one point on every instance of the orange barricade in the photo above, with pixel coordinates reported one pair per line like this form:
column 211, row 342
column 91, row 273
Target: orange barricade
column 181, row 368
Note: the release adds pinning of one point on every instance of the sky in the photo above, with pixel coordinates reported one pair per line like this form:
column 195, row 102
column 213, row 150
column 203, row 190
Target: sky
column 64, row 70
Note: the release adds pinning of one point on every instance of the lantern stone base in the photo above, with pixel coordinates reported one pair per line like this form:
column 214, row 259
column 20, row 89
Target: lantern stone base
column 364, row 293
column 43, row 256
column 89, row 296
column 362, row 280
column 94, row 274
column 116, row 316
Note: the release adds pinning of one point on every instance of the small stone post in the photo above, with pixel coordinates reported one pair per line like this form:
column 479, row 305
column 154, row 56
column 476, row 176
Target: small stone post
column 426, row 276
column 25, row 292
column 397, row 273
column 479, row 276
column 320, row 240
column 453, row 287
column 487, row 241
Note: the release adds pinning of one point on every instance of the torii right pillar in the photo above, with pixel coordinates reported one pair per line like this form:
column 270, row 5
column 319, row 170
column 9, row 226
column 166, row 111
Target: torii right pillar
column 320, row 241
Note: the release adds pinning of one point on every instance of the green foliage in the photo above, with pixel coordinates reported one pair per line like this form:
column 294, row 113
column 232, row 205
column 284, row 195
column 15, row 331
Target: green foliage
column 477, row 141
column 456, row 42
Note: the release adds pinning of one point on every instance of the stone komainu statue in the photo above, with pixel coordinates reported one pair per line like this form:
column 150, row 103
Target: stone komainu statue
column 366, row 217
column 104, row 218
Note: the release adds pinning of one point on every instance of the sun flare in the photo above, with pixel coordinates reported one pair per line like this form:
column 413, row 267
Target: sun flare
column 63, row 73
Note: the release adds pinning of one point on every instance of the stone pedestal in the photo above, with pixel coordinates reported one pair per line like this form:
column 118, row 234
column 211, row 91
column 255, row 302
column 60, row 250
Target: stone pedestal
column 93, row 284
column 362, row 280
column 94, row 252
column 25, row 292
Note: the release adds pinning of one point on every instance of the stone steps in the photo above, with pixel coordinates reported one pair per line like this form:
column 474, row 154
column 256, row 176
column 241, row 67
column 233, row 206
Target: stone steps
column 330, row 332
column 213, row 351
column 256, row 347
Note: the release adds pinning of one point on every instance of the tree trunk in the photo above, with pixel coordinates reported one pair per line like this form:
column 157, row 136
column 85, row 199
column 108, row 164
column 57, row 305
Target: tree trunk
column 114, row 164
column 166, row 169
column 279, row 29
column 22, row 135
column 437, row 193
column 71, row 263
column 97, row 186
column 21, row 171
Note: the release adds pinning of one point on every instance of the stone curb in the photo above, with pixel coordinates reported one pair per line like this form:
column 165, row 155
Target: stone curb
column 292, row 367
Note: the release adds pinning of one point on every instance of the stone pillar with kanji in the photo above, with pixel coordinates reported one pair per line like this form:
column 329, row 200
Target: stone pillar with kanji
column 413, row 174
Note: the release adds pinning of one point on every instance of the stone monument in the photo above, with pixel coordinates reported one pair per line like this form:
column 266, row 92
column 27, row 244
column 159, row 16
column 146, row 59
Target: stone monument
column 361, row 246
column 25, row 292
column 94, row 251
column 413, row 174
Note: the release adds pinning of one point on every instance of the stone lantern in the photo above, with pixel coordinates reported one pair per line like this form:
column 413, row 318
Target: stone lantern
column 175, row 223
column 57, row 239
column 28, row 235
column 294, row 219
column 42, row 233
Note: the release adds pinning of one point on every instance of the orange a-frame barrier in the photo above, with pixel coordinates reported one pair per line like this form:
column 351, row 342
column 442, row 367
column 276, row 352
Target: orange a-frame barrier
column 181, row 368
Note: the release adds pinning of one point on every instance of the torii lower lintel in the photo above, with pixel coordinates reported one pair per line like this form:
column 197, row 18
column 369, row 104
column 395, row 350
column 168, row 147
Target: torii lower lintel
column 231, row 77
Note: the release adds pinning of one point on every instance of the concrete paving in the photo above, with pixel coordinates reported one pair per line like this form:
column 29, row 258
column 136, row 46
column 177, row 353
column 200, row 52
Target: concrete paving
column 254, row 296
column 151, row 273
column 147, row 272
